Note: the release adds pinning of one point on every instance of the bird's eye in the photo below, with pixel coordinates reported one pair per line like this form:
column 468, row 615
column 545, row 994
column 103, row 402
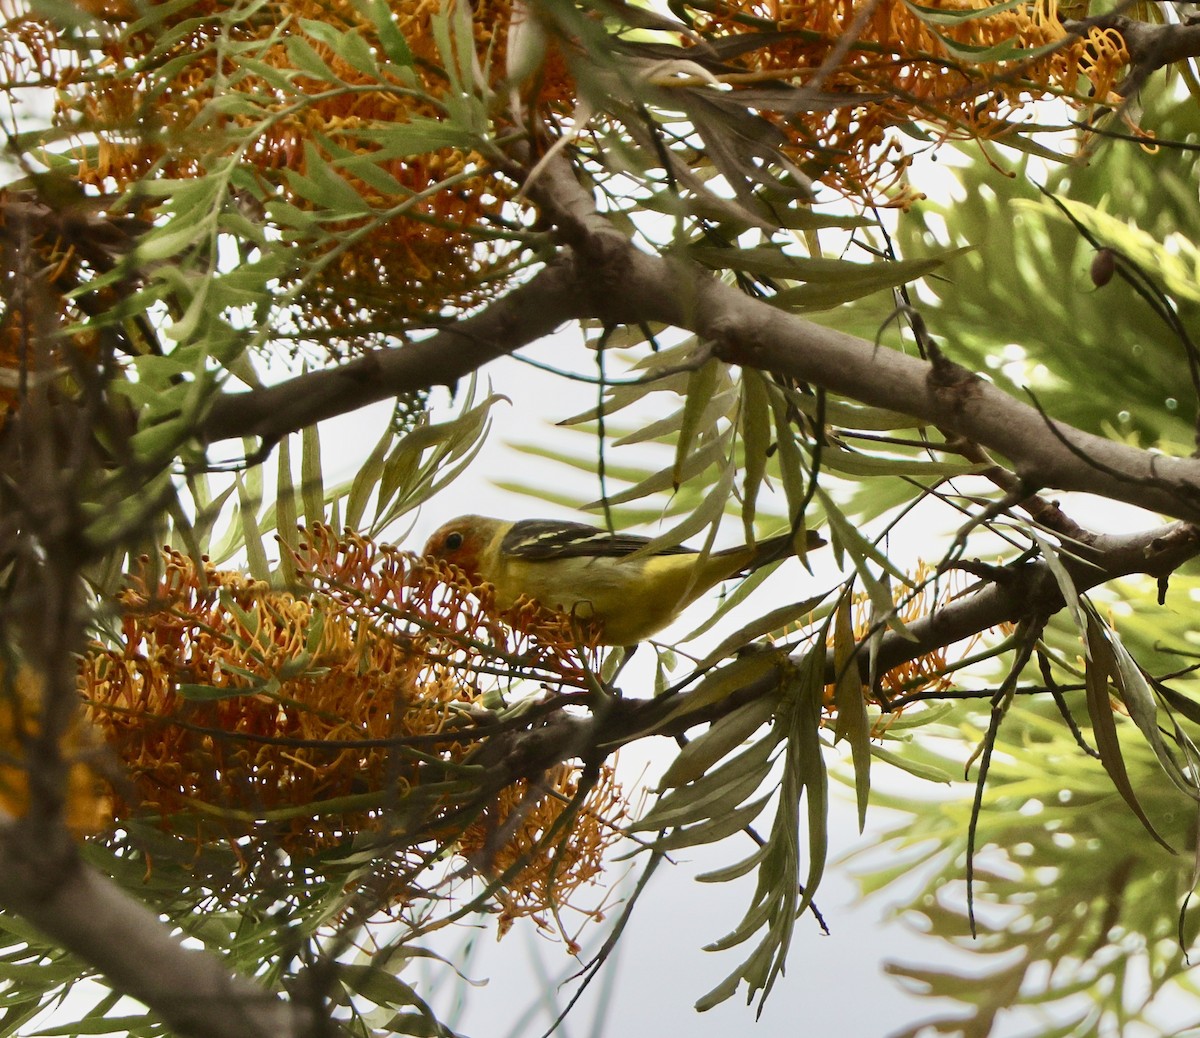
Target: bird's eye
column 454, row 541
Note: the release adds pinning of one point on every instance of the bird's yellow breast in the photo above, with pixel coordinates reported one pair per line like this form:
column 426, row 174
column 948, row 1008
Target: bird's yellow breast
column 633, row 597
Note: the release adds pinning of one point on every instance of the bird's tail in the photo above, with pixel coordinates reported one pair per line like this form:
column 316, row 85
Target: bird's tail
column 779, row 547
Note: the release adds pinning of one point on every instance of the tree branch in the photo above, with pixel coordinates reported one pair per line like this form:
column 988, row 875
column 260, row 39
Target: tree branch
column 1020, row 590
column 48, row 464
column 1043, row 453
column 525, row 314
column 605, row 277
column 1150, row 46
column 93, row 918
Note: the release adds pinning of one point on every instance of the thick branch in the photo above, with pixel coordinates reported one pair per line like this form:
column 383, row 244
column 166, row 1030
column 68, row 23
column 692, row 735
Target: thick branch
column 610, row 280
column 1016, row 591
column 1031, row 588
column 93, row 918
column 749, row 332
column 1150, row 46
column 1019, row 591
column 527, row 313
column 48, row 461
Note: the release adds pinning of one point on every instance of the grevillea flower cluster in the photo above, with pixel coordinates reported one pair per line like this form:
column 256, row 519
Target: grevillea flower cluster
column 87, row 808
column 346, row 707
column 300, row 100
column 967, row 68
column 286, row 89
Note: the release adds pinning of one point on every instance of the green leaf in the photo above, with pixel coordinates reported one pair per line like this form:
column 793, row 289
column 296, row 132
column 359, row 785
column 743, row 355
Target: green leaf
column 943, row 16
column 722, row 736
column 105, row 1025
column 415, row 137
column 312, row 483
column 324, row 187
column 916, row 768
column 805, row 755
column 176, row 237
column 1140, row 700
column 846, row 536
column 285, row 508
column 738, row 869
column 1061, row 577
column 702, row 384
column 847, row 414
column 828, row 282
column 721, row 993
column 249, row 501
column 854, row 463
column 1101, row 665
column 711, row 452
column 852, row 722
column 214, row 693
column 356, row 52
column 391, row 39
column 1006, row 50
column 380, row 986
column 705, row 517
column 713, row 793
column 716, row 402
column 724, row 682
column 792, row 462
column 305, row 58
column 1185, row 705
column 720, row 827
column 162, row 439
column 777, row 902
column 410, row 477
column 767, row 623
column 367, row 168
column 755, row 424
column 366, row 480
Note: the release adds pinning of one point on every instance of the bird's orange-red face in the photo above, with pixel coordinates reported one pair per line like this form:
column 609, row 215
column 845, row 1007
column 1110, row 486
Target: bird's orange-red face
column 458, row 542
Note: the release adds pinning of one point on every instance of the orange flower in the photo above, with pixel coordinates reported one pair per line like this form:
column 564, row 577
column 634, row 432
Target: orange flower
column 310, row 122
column 87, row 808
column 307, row 717
column 967, row 77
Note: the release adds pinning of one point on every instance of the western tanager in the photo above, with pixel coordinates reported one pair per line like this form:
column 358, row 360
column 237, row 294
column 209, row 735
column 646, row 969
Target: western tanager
column 592, row 574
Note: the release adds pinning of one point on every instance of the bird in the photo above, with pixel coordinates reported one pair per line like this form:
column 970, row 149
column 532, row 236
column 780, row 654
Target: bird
column 593, row 575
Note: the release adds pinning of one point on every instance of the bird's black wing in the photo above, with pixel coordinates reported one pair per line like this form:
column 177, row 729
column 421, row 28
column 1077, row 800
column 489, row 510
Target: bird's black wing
column 540, row 539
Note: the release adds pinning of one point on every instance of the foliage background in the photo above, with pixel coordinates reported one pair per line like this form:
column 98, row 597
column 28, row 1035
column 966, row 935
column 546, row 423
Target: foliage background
column 1069, row 915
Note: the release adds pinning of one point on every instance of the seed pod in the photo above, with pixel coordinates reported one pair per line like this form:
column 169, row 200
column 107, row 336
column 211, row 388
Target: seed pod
column 1104, row 265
